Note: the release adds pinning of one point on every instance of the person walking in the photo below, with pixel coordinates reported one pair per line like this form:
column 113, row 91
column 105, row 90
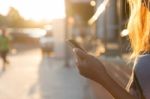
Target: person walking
column 139, row 34
column 4, row 47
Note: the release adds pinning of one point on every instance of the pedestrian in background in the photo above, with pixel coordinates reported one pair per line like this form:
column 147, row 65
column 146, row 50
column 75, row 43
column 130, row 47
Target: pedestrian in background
column 139, row 34
column 4, row 47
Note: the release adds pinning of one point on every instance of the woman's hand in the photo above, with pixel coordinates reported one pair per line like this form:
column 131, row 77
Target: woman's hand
column 90, row 67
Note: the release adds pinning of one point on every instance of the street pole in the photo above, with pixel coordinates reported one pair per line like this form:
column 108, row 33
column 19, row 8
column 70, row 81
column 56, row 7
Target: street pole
column 105, row 31
column 119, row 7
column 66, row 34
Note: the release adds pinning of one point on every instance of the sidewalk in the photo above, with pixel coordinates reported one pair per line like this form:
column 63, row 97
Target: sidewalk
column 42, row 78
column 59, row 82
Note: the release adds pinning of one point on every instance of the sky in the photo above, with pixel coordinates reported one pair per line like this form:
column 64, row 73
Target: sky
column 35, row 9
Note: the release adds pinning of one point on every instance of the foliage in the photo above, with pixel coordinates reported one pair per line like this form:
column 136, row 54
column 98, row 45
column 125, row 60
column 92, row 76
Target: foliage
column 14, row 19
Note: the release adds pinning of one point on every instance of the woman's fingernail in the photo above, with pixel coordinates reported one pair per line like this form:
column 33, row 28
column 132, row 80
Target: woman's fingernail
column 75, row 50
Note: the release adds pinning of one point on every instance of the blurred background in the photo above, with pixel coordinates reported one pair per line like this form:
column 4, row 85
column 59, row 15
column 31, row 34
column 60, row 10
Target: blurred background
column 41, row 64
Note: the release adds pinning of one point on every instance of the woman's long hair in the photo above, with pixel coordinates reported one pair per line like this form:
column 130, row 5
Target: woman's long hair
column 139, row 27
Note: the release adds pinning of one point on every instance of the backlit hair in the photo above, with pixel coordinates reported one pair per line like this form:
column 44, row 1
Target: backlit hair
column 139, row 27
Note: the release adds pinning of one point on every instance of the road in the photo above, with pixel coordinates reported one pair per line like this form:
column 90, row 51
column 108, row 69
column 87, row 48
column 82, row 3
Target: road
column 20, row 76
column 31, row 76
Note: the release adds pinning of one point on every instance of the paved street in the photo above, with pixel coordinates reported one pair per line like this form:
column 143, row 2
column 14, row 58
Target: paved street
column 21, row 76
column 29, row 76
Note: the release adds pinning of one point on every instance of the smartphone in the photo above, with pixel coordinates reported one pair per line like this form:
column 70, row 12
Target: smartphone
column 74, row 44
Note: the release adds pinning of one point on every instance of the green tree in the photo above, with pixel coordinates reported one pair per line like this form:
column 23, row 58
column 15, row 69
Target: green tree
column 3, row 21
column 14, row 18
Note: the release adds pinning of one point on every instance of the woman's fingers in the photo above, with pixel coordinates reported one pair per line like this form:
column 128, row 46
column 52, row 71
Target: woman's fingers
column 81, row 57
column 80, row 54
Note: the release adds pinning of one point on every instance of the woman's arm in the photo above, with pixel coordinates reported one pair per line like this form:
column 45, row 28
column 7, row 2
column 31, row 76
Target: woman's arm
column 115, row 89
column 92, row 68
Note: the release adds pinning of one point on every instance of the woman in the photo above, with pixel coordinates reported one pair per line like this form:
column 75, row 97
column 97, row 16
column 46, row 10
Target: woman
column 139, row 33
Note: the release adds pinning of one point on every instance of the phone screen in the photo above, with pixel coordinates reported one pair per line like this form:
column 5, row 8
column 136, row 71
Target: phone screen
column 74, row 44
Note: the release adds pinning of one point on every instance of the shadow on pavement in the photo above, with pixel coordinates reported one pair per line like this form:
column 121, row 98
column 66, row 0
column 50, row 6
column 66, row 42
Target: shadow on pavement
column 59, row 82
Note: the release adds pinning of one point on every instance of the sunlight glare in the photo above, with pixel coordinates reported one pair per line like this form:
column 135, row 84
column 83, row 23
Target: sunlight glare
column 4, row 6
column 98, row 12
column 36, row 9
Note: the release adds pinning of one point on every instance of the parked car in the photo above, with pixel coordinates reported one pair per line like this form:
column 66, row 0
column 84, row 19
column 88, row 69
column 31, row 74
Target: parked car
column 47, row 44
column 29, row 36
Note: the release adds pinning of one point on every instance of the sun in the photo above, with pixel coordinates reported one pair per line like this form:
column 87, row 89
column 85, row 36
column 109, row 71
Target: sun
column 36, row 9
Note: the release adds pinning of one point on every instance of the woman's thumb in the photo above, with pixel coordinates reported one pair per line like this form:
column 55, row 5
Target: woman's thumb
column 81, row 54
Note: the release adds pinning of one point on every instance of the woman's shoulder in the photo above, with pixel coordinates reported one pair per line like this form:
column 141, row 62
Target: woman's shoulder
column 142, row 70
column 143, row 59
column 142, row 63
